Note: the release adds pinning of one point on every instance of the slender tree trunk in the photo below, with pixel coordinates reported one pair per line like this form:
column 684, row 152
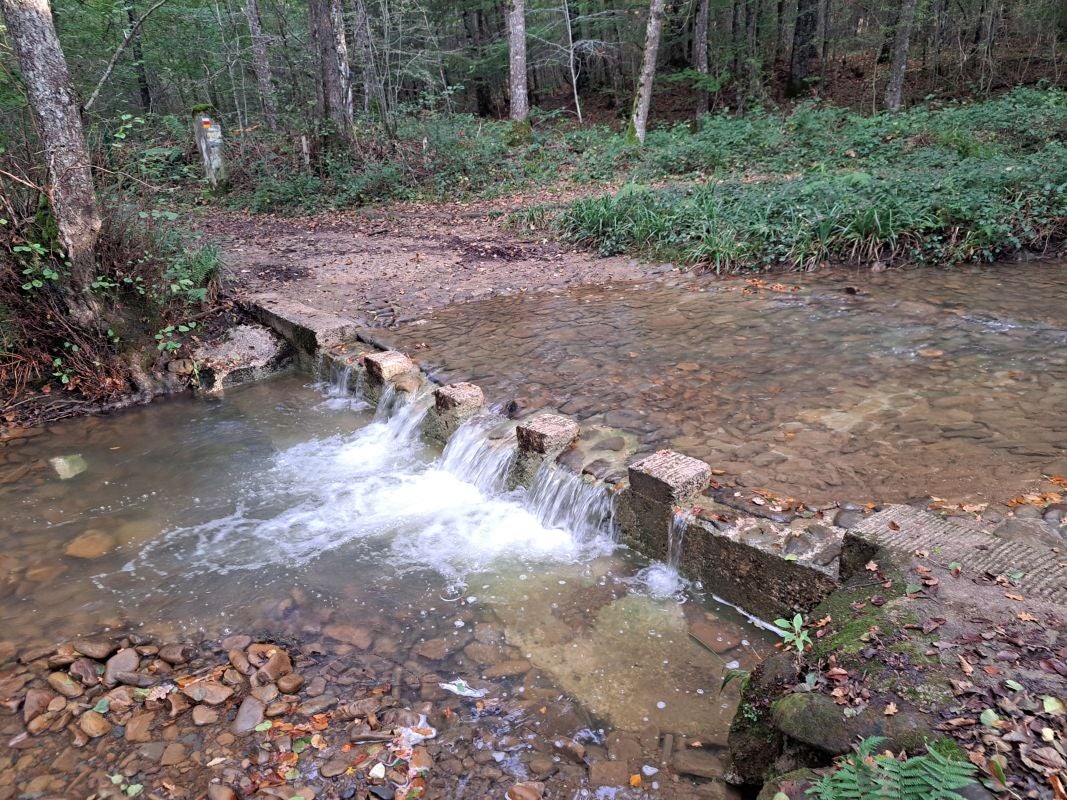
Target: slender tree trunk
column 138, row 58
column 639, row 120
column 804, row 50
column 261, row 64
column 737, row 38
column 894, row 89
column 700, row 54
column 779, row 34
column 55, row 110
column 571, row 60
column 361, row 33
column 520, row 103
column 373, row 89
column 331, row 100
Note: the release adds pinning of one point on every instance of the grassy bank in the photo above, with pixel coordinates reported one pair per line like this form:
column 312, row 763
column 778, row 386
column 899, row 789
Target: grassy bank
column 929, row 186
column 937, row 184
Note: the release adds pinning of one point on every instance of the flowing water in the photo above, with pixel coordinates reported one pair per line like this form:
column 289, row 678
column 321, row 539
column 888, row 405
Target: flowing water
column 881, row 387
column 296, row 510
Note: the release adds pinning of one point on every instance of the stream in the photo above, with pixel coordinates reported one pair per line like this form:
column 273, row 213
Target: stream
column 292, row 509
column 829, row 387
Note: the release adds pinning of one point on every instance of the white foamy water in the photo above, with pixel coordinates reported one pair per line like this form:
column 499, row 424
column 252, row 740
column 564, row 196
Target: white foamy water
column 664, row 579
column 380, row 494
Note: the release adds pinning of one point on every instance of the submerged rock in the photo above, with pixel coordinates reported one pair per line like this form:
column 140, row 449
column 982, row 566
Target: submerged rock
column 249, row 715
column 67, row 467
column 94, row 725
column 91, row 544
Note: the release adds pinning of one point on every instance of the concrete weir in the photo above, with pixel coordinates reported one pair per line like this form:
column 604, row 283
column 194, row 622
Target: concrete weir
column 744, row 561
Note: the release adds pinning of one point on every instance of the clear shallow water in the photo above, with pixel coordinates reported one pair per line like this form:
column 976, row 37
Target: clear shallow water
column 286, row 509
column 883, row 387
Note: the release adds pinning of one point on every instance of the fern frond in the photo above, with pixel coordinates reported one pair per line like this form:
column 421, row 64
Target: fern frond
column 865, row 776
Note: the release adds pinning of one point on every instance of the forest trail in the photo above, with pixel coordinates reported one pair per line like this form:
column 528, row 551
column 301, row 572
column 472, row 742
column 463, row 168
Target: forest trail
column 385, row 267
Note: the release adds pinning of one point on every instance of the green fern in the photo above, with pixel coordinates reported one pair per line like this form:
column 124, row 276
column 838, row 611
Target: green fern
column 865, row 776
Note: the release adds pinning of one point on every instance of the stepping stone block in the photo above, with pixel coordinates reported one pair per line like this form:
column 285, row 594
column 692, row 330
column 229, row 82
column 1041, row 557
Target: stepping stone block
column 547, row 434
column 458, row 398
column 668, row 477
column 383, row 366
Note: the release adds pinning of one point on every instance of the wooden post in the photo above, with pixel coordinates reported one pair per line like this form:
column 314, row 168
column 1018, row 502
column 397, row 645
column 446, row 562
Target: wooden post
column 209, row 141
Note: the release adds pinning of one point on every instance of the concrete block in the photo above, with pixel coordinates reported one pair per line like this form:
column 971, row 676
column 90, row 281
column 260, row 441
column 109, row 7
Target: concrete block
column 307, row 328
column 547, row 434
column 383, row 366
column 668, row 477
column 458, row 398
column 453, row 405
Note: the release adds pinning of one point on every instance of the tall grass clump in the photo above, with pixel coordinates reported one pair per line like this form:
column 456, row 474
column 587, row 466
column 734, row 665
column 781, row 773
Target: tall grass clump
column 942, row 210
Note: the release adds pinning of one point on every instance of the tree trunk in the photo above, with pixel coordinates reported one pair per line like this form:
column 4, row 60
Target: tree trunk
column 571, row 60
column 779, row 34
column 138, row 58
column 373, row 89
column 700, row 55
column 261, row 64
column 894, row 89
column 804, row 50
column 520, row 104
column 55, row 110
column 344, row 70
column 639, row 121
column 331, row 100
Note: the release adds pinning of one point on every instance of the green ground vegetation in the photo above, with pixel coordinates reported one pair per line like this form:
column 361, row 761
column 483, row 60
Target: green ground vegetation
column 938, row 184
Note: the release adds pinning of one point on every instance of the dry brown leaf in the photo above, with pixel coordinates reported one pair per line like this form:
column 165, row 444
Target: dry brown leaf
column 965, row 665
column 891, row 709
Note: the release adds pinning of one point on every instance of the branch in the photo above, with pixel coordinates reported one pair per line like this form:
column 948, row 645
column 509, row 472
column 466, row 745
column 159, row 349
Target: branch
column 118, row 52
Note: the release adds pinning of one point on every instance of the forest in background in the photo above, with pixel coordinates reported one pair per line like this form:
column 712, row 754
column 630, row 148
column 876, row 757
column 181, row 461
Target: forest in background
column 745, row 134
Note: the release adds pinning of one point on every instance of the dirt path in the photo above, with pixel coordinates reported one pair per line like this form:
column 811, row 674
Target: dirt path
column 387, row 267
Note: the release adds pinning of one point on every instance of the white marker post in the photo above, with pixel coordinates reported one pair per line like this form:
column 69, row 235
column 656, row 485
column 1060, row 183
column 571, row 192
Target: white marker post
column 209, row 140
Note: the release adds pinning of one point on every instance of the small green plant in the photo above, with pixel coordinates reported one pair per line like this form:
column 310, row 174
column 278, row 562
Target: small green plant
column 127, row 122
column 61, row 372
column 128, row 789
column 167, row 338
column 865, row 776
column 794, row 634
column 36, row 267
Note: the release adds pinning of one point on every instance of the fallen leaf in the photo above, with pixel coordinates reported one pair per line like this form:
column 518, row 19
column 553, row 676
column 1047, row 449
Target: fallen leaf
column 1026, row 617
column 870, row 566
column 891, row 709
column 1053, row 705
column 965, row 665
column 1013, row 596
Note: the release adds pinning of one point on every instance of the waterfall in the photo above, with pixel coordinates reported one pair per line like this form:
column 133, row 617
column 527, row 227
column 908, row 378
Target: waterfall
column 558, row 498
column 561, row 499
column 403, row 414
column 337, row 384
column 663, row 578
column 676, row 537
column 474, row 456
column 387, row 402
